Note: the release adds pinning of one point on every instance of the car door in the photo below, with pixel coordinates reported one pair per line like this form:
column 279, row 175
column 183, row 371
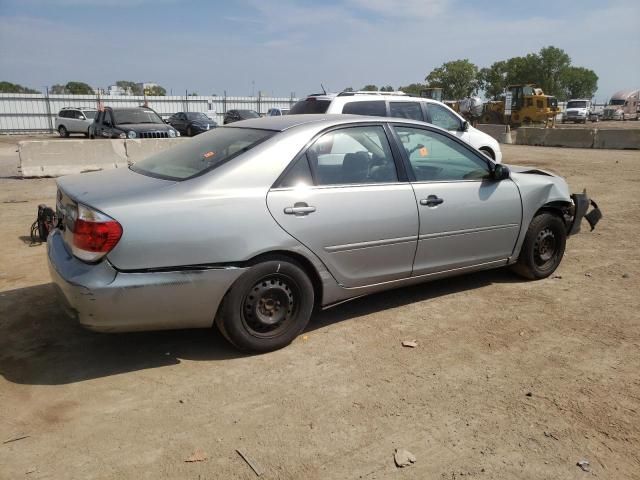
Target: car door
column 466, row 218
column 344, row 199
column 181, row 123
column 441, row 116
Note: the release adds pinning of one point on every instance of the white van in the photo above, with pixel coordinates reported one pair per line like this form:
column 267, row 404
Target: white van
column 401, row 105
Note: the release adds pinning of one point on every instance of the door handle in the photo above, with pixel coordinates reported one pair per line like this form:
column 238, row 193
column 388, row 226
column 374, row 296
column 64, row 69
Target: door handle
column 431, row 201
column 299, row 209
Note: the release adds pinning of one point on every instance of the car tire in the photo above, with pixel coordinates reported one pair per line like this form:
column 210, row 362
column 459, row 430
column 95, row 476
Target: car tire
column 189, row 132
column 543, row 247
column 64, row 133
column 488, row 152
column 267, row 307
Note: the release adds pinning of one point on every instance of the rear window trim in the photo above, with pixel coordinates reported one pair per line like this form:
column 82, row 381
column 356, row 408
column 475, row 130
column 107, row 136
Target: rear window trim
column 213, row 167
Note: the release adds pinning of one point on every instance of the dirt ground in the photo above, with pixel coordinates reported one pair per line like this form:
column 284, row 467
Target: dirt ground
column 510, row 379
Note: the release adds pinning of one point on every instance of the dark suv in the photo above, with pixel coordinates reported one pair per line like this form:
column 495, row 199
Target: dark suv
column 136, row 122
column 237, row 115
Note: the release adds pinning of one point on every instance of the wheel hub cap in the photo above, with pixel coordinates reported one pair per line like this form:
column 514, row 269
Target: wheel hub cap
column 269, row 305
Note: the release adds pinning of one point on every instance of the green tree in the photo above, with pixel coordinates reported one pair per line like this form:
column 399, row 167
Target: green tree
column 458, row 79
column 388, row 88
column 156, row 91
column 370, row 88
column 413, row 88
column 348, row 89
column 130, row 87
column 78, row 88
column 578, row 82
column 552, row 63
column 8, row 87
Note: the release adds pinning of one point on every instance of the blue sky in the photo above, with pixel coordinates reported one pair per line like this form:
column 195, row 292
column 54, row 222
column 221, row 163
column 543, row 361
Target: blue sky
column 288, row 46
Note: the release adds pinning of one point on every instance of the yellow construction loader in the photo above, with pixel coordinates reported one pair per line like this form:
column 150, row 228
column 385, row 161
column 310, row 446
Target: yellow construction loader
column 529, row 105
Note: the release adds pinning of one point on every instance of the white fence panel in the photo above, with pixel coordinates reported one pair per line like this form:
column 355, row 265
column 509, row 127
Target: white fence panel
column 28, row 112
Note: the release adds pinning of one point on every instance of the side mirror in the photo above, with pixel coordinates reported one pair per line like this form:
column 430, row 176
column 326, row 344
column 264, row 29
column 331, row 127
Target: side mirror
column 500, row 172
column 465, row 126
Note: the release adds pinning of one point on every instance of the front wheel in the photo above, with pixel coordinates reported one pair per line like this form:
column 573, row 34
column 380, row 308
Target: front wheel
column 267, row 307
column 63, row 131
column 543, row 247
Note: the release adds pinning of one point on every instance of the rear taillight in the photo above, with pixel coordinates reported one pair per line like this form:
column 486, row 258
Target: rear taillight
column 94, row 234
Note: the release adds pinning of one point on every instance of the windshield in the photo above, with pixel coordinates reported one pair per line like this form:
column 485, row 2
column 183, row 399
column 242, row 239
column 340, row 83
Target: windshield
column 123, row 117
column 202, row 153
column 198, row 116
column 616, row 102
column 310, row 105
column 90, row 114
column 577, row 105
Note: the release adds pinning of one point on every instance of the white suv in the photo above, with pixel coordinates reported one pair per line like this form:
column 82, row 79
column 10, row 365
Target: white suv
column 400, row 105
column 74, row 120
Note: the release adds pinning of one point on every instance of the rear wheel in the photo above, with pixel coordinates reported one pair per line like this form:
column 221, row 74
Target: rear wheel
column 63, row 131
column 267, row 307
column 543, row 247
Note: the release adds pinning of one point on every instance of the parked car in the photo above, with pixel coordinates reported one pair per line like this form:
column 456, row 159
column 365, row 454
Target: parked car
column 278, row 111
column 400, row 105
column 74, row 120
column 253, row 226
column 191, row 123
column 237, row 115
column 136, row 122
column 577, row 111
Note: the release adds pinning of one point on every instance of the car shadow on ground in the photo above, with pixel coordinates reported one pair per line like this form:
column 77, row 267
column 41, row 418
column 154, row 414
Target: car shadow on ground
column 40, row 345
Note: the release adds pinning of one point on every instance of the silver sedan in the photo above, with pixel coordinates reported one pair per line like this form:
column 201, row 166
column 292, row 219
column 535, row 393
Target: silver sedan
column 253, row 226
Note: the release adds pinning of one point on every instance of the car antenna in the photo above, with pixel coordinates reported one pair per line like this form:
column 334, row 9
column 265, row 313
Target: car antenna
column 323, row 90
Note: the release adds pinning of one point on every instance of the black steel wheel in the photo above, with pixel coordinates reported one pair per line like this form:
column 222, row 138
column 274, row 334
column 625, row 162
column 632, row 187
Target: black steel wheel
column 271, row 305
column 267, row 307
column 543, row 247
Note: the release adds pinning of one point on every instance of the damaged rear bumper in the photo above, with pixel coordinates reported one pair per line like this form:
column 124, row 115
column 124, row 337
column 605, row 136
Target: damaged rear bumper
column 582, row 202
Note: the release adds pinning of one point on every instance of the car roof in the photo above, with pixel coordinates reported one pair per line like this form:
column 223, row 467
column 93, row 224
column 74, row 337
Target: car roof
column 286, row 122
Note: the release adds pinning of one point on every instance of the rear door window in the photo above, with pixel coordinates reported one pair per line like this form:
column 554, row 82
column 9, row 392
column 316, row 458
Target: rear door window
column 309, row 105
column 376, row 108
column 354, row 155
column 412, row 110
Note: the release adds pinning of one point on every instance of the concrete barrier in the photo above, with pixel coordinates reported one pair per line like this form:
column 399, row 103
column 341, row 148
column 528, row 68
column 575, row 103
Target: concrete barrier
column 140, row 149
column 495, row 131
column 569, row 137
column 54, row 158
column 618, row 139
column 531, row 136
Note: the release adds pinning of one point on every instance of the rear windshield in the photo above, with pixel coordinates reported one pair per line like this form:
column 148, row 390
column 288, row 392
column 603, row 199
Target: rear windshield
column 310, row 105
column 203, row 153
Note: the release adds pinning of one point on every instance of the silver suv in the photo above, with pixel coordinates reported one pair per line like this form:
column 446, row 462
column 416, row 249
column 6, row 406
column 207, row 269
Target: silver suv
column 401, row 105
column 74, row 120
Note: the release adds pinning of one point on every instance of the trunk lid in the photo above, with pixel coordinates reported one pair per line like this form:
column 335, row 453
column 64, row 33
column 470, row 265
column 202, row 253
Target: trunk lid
column 100, row 190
